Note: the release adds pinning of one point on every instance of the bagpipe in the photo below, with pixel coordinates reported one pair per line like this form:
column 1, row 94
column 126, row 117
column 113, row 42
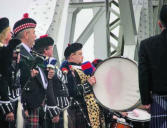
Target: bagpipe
column 37, row 59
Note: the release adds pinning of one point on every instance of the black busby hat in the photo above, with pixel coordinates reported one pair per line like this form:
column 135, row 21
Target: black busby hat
column 24, row 23
column 163, row 15
column 4, row 23
column 72, row 48
column 43, row 42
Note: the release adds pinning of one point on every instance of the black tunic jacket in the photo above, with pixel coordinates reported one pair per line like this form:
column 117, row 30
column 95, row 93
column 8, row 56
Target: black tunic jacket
column 6, row 79
column 33, row 92
column 153, row 67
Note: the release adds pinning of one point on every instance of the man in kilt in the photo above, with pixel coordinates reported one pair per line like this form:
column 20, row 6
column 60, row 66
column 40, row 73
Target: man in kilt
column 33, row 79
column 57, row 93
column 152, row 74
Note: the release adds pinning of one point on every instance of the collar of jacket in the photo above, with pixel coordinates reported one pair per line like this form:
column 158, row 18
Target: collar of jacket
column 72, row 63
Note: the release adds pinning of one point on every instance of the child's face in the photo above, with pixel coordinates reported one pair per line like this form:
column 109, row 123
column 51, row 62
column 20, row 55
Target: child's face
column 77, row 57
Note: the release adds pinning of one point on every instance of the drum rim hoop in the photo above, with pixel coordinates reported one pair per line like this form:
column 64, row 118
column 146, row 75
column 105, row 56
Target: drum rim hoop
column 147, row 120
column 113, row 57
column 123, row 110
column 124, row 123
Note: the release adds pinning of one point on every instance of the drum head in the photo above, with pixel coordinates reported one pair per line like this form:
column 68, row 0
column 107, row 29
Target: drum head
column 139, row 115
column 117, row 84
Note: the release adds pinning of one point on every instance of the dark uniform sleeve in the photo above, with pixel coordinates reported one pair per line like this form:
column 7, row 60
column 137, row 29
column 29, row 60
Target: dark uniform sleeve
column 51, row 106
column 144, row 75
column 53, row 111
column 60, row 89
column 5, row 104
column 6, row 59
column 56, row 94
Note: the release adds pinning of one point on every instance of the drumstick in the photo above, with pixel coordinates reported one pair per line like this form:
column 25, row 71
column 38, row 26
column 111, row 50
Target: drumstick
column 143, row 108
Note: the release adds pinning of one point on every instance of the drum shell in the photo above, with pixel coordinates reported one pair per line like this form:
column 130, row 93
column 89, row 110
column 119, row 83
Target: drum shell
column 137, row 124
column 121, row 125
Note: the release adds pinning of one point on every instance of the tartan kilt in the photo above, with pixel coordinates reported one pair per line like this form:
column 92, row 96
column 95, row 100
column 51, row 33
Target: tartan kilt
column 158, row 111
column 35, row 119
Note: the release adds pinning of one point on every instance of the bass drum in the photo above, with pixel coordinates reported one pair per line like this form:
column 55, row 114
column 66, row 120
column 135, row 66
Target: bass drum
column 117, row 85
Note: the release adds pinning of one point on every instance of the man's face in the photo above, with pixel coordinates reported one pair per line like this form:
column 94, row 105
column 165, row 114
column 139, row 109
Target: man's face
column 49, row 51
column 77, row 57
column 31, row 37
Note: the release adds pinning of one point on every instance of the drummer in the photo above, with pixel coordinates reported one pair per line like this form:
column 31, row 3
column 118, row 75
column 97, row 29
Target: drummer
column 84, row 112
